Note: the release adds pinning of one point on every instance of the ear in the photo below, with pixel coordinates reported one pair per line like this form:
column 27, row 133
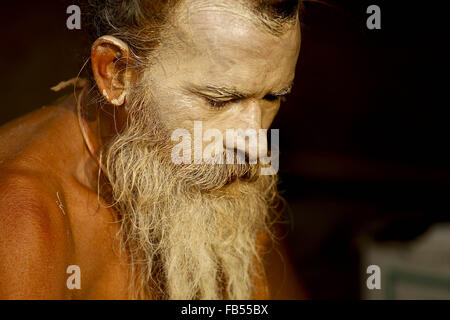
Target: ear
column 110, row 58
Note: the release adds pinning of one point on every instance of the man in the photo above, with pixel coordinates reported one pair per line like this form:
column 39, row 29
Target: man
column 91, row 184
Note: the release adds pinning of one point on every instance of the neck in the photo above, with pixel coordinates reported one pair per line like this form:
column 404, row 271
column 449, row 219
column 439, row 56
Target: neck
column 99, row 122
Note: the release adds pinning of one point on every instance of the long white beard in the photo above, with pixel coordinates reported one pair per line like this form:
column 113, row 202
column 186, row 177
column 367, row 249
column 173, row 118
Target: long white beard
column 187, row 240
column 190, row 231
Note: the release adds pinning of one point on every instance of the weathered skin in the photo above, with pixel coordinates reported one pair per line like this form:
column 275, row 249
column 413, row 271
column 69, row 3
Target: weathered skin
column 50, row 217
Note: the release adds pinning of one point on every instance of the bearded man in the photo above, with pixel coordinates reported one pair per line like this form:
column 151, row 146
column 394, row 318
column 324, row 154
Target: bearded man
column 90, row 181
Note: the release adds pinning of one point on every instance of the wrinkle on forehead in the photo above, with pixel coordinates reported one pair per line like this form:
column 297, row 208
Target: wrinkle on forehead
column 191, row 7
column 239, row 8
column 211, row 26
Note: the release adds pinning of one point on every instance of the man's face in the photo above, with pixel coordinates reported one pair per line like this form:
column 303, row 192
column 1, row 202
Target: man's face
column 222, row 69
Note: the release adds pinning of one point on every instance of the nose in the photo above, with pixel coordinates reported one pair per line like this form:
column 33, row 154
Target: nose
column 247, row 138
column 252, row 116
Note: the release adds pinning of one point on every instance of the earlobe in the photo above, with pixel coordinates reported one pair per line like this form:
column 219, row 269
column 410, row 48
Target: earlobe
column 119, row 101
column 110, row 57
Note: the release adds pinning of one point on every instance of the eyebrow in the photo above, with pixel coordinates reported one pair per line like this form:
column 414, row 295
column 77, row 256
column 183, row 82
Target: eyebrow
column 231, row 92
column 285, row 90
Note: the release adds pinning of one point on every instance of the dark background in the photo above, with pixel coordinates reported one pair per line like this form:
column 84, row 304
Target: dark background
column 363, row 136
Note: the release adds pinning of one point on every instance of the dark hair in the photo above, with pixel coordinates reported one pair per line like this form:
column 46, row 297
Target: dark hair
column 284, row 9
column 139, row 23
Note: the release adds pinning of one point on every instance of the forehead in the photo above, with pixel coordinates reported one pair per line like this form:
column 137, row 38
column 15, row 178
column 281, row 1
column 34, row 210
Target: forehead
column 224, row 41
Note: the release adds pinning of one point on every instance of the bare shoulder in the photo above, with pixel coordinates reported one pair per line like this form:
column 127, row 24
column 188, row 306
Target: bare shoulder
column 40, row 160
column 34, row 238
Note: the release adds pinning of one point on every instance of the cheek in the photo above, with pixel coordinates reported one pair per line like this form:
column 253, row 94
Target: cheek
column 237, row 118
column 228, row 119
column 182, row 113
column 222, row 124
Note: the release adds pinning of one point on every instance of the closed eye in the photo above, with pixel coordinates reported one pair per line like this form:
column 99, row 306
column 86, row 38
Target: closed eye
column 220, row 104
column 274, row 97
column 216, row 104
column 271, row 97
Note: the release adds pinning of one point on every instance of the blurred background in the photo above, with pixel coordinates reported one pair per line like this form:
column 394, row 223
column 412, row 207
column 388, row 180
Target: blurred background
column 364, row 163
